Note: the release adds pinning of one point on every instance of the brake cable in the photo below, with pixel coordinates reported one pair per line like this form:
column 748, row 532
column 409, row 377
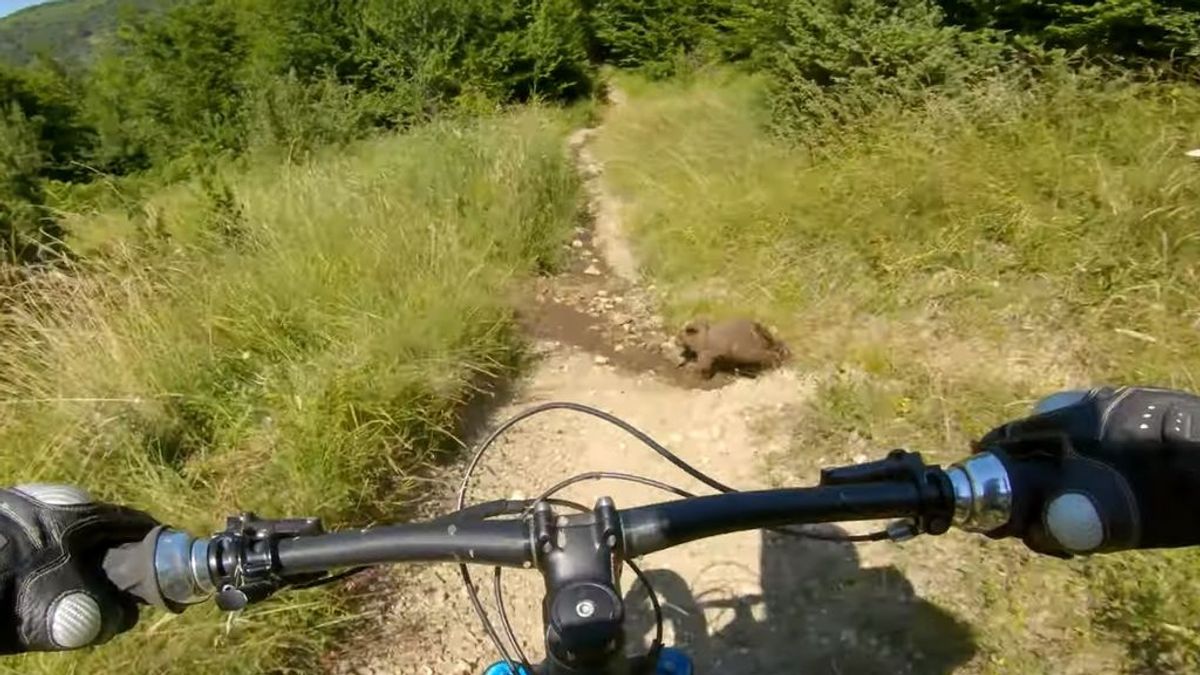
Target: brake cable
column 486, row 510
column 648, row 441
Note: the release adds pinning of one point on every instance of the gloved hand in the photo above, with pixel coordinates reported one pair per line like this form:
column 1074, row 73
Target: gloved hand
column 53, row 593
column 1104, row 470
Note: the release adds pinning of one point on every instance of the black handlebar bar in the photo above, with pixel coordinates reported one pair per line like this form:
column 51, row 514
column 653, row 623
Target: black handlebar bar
column 577, row 554
column 653, row 528
column 503, row 542
column 278, row 551
column 646, row 529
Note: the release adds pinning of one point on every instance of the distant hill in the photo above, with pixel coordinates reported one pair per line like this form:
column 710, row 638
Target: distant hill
column 68, row 29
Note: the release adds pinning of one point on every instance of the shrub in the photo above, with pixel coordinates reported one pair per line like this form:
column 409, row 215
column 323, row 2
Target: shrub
column 26, row 229
column 840, row 57
column 1130, row 31
column 653, row 34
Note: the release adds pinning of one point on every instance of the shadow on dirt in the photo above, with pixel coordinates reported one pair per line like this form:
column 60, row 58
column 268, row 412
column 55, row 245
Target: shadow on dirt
column 820, row 612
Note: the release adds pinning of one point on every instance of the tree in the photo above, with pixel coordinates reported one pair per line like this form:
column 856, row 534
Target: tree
column 1122, row 30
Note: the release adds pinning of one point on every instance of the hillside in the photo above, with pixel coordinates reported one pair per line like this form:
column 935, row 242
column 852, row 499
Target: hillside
column 68, row 29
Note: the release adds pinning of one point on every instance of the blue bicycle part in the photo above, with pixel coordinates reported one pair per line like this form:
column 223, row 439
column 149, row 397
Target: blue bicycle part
column 670, row 662
column 673, row 662
column 501, row 668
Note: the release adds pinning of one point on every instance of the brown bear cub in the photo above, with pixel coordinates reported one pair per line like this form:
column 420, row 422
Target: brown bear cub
column 734, row 345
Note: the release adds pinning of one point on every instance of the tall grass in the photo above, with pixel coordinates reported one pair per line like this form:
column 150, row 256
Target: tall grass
column 299, row 343
column 940, row 265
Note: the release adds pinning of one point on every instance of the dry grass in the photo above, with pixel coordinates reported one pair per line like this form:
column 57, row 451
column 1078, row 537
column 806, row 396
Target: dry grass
column 941, row 267
column 293, row 340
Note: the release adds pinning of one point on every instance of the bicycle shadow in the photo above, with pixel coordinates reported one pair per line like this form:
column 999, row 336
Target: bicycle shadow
column 819, row 612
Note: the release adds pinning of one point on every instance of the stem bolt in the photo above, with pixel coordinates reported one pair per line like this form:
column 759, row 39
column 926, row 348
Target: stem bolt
column 585, row 608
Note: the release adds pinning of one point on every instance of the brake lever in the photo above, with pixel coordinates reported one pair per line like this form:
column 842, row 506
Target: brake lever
column 247, row 568
column 937, row 508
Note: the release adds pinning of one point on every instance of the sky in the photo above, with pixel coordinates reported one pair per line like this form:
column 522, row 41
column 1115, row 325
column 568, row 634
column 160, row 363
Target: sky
column 10, row 6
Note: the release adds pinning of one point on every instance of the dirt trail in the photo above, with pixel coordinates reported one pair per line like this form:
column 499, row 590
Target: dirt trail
column 742, row 604
column 599, row 342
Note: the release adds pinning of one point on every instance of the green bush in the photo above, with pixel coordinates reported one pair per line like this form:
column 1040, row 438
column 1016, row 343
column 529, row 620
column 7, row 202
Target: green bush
column 433, row 52
column 185, row 84
column 654, row 35
column 839, row 58
column 49, row 98
column 27, row 230
column 1132, row 31
column 213, row 77
column 297, row 118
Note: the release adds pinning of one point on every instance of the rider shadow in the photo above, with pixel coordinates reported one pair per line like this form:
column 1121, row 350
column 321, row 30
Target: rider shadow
column 819, row 612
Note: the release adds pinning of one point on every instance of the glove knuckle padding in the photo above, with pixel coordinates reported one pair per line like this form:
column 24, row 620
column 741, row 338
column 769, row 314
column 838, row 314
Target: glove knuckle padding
column 74, row 620
column 1132, row 453
column 52, row 568
column 1106, row 490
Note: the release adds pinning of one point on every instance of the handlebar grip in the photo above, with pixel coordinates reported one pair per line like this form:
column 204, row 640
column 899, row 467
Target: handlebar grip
column 130, row 567
column 167, row 569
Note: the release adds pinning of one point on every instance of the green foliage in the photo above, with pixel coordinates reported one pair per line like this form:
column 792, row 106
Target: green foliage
column 427, row 55
column 555, row 46
column 1135, row 31
column 839, row 57
column 48, row 97
column 214, row 77
column 754, row 28
column 832, row 60
column 21, row 198
column 185, row 81
column 178, row 91
column 40, row 137
column 289, row 115
column 655, row 34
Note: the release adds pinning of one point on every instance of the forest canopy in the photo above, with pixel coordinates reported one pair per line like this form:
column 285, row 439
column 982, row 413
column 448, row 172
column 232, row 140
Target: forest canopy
column 169, row 91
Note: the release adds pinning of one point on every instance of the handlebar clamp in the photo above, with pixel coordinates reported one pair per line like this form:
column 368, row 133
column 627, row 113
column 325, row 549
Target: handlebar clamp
column 243, row 559
column 580, row 560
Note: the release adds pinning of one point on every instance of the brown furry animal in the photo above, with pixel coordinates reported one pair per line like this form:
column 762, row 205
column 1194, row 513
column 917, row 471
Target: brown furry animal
column 735, row 345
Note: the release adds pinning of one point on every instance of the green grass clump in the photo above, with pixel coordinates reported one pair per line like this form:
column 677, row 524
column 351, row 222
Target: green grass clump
column 1151, row 599
column 939, row 266
column 292, row 339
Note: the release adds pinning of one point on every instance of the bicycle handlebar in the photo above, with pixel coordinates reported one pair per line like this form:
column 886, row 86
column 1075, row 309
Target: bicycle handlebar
column 577, row 554
column 505, row 543
column 659, row 526
column 188, row 569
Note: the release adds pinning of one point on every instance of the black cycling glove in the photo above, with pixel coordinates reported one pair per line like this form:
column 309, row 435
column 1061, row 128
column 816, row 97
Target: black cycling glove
column 1105, row 470
column 53, row 592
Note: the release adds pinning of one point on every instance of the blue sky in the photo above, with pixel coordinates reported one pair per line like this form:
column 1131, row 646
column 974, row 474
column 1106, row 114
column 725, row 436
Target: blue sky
column 10, row 6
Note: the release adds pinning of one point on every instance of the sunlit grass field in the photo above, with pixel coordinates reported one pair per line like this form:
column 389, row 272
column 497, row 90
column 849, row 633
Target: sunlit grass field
column 938, row 267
